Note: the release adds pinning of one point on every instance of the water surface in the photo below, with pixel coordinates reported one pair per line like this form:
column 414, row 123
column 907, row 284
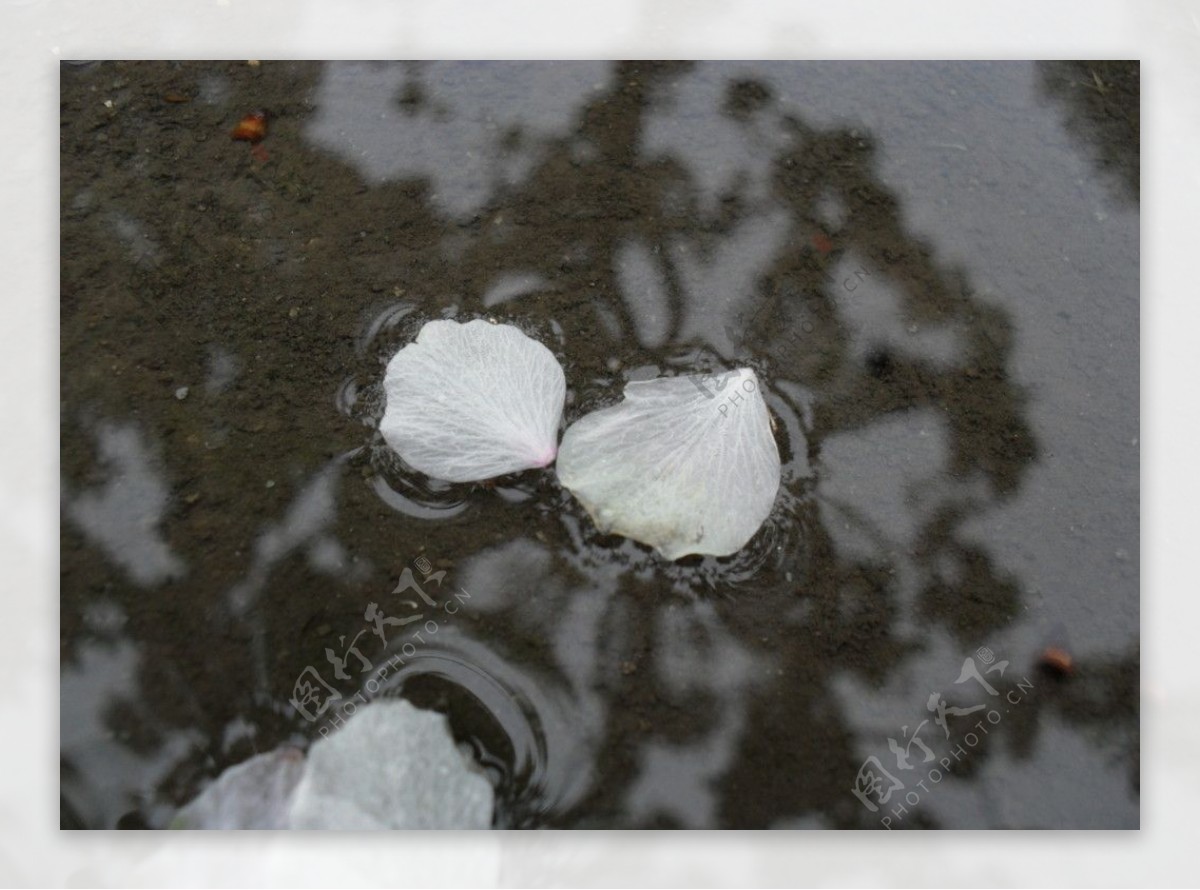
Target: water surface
column 932, row 267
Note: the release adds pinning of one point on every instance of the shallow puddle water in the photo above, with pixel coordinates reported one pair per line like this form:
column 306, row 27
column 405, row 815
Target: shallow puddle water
column 932, row 268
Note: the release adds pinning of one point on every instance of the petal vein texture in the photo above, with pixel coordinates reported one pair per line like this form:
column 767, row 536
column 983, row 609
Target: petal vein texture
column 473, row 401
column 391, row 766
column 680, row 464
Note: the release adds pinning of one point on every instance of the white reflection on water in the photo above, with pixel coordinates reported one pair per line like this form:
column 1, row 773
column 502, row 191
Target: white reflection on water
column 722, row 286
column 872, row 309
column 143, row 248
column 223, row 368
column 434, row 121
column 696, row 656
column 104, row 677
column 878, row 484
column 640, row 275
column 554, row 718
column 123, row 515
column 521, row 577
column 722, row 154
column 511, row 285
column 1008, row 787
column 305, row 524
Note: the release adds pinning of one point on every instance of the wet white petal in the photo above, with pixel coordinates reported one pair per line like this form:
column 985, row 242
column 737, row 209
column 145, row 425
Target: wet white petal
column 680, row 465
column 253, row 794
column 391, row 766
column 473, row 401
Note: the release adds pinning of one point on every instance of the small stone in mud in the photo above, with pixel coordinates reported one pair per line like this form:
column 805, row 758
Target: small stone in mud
column 1057, row 661
column 252, row 128
column 181, row 393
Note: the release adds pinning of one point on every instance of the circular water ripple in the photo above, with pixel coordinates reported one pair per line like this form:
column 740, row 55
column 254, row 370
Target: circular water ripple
column 386, row 326
column 399, row 486
column 528, row 732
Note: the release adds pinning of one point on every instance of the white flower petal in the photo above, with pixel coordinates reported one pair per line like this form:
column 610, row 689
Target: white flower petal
column 680, row 465
column 252, row 794
column 391, row 766
column 473, row 401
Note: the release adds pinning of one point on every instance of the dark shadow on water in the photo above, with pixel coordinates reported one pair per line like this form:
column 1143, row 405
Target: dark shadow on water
column 1101, row 102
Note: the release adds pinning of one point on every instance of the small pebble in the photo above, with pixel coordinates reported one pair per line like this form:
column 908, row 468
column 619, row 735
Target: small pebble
column 270, row 483
column 181, row 393
column 1057, row 661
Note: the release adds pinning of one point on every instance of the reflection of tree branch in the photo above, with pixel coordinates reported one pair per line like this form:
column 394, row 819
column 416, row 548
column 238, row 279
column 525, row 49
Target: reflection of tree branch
column 588, row 193
column 864, row 524
column 984, row 409
column 1101, row 697
column 1102, row 109
column 992, row 597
